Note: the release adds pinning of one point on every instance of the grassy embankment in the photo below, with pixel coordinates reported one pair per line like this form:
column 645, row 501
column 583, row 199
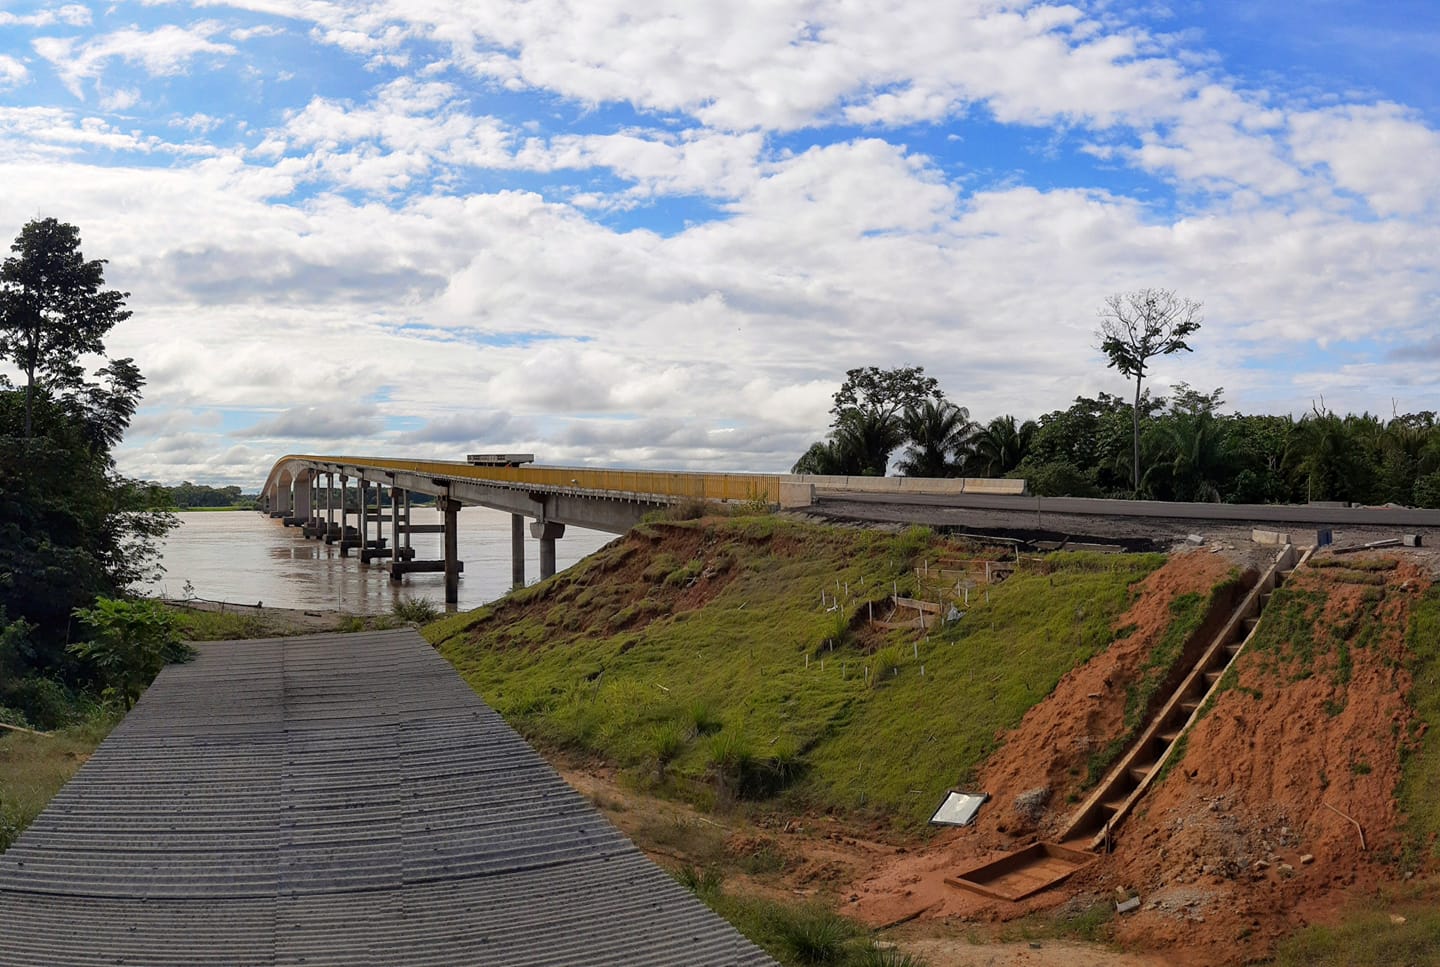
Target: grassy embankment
column 699, row 657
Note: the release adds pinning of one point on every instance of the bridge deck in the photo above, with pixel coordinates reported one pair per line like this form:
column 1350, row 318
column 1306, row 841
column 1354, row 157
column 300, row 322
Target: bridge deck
column 334, row 799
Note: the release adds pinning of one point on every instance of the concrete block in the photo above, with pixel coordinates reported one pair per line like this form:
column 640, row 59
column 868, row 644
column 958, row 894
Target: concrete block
column 794, row 495
column 1001, row 486
column 1269, row 537
column 1412, row 540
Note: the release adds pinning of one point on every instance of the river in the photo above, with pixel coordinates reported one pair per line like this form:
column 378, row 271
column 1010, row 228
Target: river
column 247, row 558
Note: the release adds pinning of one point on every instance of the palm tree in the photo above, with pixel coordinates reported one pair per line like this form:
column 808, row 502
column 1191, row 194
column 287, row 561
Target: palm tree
column 939, row 433
column 823, row 458
column 866, row 438
column 1193, row 452
column 1000, row 446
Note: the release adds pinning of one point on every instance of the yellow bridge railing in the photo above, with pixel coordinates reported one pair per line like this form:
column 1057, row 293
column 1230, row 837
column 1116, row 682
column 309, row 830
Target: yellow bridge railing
column 658, row 483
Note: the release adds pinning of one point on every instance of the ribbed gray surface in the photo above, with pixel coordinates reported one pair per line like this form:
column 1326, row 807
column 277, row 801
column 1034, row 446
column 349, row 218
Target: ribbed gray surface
column 334, row 800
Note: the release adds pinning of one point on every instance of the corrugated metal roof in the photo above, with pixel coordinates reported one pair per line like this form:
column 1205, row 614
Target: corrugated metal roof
column 334, row 799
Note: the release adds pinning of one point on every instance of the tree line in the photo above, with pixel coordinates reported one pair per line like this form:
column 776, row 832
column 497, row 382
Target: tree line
column 1182, row 447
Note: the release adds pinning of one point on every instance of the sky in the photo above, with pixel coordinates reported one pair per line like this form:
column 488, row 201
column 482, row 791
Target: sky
column 656, row 233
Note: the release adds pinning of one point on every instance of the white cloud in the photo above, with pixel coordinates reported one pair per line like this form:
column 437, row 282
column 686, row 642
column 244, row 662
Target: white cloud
column 12, row 72
column 356, row 268
column 70, row 14
column 165, row 51
column 242, row 34
column 1379, row 152
column 120, row 100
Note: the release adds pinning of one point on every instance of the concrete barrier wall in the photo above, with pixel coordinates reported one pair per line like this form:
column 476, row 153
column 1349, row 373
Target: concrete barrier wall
column 1003, row 486
column 919, row 485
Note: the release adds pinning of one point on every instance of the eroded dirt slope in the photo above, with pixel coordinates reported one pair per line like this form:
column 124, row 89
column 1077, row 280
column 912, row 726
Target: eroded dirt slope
column 1249, row 835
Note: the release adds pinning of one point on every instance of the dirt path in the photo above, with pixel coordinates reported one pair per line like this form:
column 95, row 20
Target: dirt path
column 815, row 857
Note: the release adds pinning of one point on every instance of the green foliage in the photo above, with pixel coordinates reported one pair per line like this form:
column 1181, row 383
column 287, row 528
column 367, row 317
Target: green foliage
column 71, row 529
column 189, row 496
column 54, row 308
column 41, row 703
column 703, row 882
column 218, row 625
column 132, row 641
column 939, row 433
column 420, row 611
column 868, row 425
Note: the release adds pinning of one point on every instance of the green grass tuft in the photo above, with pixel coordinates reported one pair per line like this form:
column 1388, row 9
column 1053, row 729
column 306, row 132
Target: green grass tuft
column 1419, row 791
column 1373, row 940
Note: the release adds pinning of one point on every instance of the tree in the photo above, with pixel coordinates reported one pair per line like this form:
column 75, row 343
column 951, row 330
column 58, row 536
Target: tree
column 1001, row 445
column 72, row 529
column 939, row 435
column 866, row 438
column 866, row 427
column 886, row 392
column 54, row 308
column 1137, row 326
column 1191, row 455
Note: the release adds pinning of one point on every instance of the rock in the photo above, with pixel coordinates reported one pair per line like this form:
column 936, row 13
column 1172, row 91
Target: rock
column 1307, row 859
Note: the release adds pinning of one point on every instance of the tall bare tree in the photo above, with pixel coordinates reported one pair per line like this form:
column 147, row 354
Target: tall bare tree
column 1137, row 326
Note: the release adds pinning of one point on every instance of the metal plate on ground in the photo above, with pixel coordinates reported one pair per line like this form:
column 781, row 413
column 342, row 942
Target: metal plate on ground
column 959, row 808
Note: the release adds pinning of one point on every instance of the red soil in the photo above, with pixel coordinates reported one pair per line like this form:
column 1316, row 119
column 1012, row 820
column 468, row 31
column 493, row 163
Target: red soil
column 1216, row 849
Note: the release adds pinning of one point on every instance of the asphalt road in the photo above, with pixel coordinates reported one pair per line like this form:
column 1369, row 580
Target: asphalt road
column 1134, row 524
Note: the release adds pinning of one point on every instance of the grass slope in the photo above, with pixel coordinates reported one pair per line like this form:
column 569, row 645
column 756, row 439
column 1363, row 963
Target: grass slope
column 700, row 656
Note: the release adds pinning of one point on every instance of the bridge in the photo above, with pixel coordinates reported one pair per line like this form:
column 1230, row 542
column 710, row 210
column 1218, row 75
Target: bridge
column 307, row 491
column 301, row 490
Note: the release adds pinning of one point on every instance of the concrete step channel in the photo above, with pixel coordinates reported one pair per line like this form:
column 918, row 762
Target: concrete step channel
column 1091, row 829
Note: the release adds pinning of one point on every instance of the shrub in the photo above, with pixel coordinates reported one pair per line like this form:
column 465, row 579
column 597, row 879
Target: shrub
column 813, row 935
column 420, row 611
column 702, row 718
column 43, row 703
column 666, row 741
column 873, row 956
column 132, row 641
column 701, row 882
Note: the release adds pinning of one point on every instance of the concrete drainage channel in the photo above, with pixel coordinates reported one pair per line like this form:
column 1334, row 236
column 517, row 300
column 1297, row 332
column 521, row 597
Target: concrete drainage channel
column 1092, row 827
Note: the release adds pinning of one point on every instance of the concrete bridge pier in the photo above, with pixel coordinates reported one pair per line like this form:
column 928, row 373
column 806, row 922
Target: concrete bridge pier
column 302, row 501
column 330, row 532
column 517, row 551
column 451, row 509
column 547, row 532
column 333, row 535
